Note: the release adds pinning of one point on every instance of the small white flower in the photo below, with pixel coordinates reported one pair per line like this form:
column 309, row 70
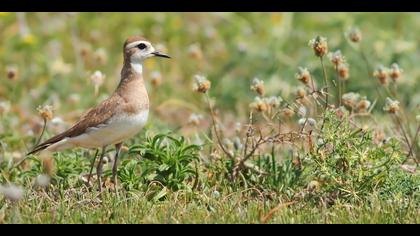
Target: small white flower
column 97, row 79
column 57, row 121
column 43, row 180
column 12, row 192
column 309, row 121
column 215, row 194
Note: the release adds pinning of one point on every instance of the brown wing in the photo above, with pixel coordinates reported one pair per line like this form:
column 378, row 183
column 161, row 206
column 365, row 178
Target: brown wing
column 92, row 118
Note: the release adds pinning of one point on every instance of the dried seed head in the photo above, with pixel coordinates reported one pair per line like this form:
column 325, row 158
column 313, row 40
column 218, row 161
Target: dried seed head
column 381, row 73
column 301, row 93
column 194, row 50
column 319, row 45
column 391, row 106
column 258, row 86
column 259, row 105
column 287, row 112
column 395, row 72
column 303, row 75
column 195, row 119
column 378, row 136
column 12, row 192
column 12, row 72
column 100, row 56
column 46, row 112
column 363, row 105
column 201, row 85
column 97, row 79
column 350, row 99
column 340, row 112
column 156, row 78
column 273, row 101
column 336, row 58
column 343, row 71
column 85, row 51
column 355, row 35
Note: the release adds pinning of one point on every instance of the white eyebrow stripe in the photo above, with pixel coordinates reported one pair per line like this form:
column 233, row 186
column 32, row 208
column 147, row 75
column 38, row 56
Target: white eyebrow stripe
column 134, row 44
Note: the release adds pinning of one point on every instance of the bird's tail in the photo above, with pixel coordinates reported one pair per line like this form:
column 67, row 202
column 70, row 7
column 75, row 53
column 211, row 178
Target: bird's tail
column 38, row 148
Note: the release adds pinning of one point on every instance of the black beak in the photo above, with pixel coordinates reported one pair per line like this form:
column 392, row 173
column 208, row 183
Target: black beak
column 159, row 54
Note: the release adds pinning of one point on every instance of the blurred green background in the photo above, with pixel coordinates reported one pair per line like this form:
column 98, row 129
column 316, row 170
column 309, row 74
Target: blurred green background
column 55, row 54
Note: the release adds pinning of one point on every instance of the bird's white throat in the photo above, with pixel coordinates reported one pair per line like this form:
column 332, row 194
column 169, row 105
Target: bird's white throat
column 137, row 67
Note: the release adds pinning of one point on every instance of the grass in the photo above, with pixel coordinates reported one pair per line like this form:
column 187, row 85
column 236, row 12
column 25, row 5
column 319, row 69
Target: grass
column 236, row 133
column 78, row 207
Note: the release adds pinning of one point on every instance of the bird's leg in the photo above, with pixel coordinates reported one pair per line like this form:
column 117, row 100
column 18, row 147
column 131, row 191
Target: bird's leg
column 114, row 166
column 91, row 166
column 99, row 169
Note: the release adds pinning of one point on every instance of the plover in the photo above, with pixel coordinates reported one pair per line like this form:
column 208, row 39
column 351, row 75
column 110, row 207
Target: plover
column 116, row 119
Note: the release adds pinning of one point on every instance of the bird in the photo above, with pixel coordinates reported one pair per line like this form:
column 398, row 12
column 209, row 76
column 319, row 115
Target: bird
column 116, row 119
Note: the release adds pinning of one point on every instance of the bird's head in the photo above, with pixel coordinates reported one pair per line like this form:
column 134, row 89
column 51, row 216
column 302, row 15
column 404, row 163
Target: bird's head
column 137, row 49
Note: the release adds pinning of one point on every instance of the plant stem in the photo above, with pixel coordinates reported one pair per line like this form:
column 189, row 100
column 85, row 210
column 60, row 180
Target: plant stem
column 369, row 71
column 42, row 132
column 410, row 153
column 215, row 128
column 325, row 82
column 402, row 130
column 326, row 92
column 338, row 87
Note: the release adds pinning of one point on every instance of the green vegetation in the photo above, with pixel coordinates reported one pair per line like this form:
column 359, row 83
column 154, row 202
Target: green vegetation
column 248, row 123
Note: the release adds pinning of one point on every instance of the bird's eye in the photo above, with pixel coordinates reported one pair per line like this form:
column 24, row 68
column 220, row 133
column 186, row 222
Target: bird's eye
column 142, row 46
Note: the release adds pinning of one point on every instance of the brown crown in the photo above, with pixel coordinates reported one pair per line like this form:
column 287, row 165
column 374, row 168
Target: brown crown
column 133, row 39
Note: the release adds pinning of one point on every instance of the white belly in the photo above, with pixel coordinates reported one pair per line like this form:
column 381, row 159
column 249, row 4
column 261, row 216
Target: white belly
column 116, row 130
